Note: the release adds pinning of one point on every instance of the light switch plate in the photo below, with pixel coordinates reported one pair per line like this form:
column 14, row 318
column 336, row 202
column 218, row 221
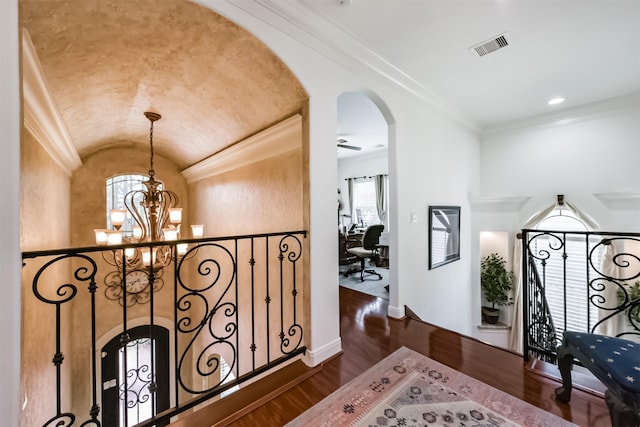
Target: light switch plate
column 414, row 217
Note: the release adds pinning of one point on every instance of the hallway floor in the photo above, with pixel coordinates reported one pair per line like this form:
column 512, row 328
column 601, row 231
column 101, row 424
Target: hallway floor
column 368, row 336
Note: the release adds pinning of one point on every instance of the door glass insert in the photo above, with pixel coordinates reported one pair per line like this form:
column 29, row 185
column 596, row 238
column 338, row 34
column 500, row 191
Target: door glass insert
column 136, row 374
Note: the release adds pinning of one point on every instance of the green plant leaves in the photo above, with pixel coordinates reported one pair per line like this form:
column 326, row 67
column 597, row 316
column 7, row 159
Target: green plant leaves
column 495, row 280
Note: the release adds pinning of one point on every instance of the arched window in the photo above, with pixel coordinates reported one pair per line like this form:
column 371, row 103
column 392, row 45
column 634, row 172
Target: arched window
column 566, row 271
column 117, row 187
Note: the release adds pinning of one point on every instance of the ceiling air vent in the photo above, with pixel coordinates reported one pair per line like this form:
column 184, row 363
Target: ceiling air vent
column 491, row 45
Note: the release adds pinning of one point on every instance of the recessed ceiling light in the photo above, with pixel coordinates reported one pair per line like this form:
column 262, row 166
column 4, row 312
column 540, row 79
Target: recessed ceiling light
column 555, row 101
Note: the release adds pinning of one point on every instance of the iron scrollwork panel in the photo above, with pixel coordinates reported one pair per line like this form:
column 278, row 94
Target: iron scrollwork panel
column 598, row 270
column 230, row 325
column 290, row 249
column 84, row 270
column 137, row 388
column 207, row 315
column 615, row 289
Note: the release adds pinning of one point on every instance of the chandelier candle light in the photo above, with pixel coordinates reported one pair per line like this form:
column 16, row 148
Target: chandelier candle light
column 154, row 212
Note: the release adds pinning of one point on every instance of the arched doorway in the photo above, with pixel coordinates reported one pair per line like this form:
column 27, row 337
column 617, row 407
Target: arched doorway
column 363, row 189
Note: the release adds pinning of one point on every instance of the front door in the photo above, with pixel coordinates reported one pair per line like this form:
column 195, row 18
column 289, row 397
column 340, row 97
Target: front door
column 129, row 370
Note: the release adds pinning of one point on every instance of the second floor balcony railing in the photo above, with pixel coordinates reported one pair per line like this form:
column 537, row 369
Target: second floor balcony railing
column 112, row 341
column 579, row 281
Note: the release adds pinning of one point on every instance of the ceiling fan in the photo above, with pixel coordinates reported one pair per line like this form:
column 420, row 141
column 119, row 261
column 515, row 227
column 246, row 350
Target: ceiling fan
column 342, row 143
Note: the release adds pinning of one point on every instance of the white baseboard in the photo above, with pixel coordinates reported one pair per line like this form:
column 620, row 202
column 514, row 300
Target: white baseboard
column 317, row 356
column 396, row 312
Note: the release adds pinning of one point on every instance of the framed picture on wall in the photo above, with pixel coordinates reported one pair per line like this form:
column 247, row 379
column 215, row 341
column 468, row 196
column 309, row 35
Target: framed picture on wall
column 444, row 235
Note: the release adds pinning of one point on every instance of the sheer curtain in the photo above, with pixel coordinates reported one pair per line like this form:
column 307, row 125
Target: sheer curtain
column 615, row 324
column 381, row 198
column 350, row 191
column 515, row 337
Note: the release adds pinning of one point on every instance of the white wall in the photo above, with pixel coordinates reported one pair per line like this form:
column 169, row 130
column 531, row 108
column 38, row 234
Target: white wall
column 435, row 164
column 369, row 165
column 588, row 156
column 593, row 151
column 433, row 159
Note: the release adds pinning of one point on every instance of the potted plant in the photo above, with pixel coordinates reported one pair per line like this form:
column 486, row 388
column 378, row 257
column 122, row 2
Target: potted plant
column 496, row 282
column 632, row 299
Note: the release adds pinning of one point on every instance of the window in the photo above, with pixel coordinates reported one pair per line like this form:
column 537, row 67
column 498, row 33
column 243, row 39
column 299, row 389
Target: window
column 117, row 187
column 365, row 211
column 580, row 314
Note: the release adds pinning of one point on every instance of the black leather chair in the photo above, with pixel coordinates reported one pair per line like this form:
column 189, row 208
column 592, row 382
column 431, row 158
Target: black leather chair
column 370, row 240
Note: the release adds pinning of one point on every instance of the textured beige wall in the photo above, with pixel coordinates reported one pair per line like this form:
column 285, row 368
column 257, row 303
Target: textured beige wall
column 44, row 224
column 265, row 196
column 88, row 211
column 262, row 197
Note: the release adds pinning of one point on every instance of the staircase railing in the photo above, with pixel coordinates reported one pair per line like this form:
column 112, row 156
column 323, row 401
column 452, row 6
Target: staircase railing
column 540, row 330
column 581, row 281
column 232, row 306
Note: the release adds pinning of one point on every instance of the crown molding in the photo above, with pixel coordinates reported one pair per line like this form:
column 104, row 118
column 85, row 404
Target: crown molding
column 41, row 115
column 325, row 36
column 620, row 105
column 498, row 203
column 273, row 141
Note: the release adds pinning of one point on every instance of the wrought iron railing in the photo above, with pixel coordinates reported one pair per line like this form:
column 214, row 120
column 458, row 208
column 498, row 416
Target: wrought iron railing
column 581, row 281
column 233, row 309
column 541, row 331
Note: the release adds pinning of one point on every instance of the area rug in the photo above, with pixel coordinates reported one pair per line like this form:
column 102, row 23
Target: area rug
column 371, row 285
column 409, row 389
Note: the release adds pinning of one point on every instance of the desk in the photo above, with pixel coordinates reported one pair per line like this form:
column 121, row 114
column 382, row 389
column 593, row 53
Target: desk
column 345, row 242
column 383, row 256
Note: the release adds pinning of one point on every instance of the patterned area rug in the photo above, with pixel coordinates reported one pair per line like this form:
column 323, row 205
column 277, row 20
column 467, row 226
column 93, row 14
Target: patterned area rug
column 409, row 389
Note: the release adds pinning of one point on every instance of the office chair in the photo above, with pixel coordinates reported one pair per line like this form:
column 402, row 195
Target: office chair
column 368, row 249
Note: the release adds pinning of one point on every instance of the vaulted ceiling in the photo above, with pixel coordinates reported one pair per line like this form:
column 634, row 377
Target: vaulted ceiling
column 108, row 61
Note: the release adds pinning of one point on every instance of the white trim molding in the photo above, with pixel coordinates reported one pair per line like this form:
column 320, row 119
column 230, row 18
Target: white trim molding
column 315, row 357
column 42, row 117
column 278, row 139
column 624, row 104
column 396, row 312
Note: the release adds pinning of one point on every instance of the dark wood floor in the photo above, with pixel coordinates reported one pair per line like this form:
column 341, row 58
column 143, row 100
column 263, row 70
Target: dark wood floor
column 368, row 336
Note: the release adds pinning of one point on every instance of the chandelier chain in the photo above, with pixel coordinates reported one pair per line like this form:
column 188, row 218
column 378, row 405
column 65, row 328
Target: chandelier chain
column 151, row 171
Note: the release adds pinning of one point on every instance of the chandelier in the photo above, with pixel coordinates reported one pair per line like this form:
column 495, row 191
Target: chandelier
column 155, row 215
